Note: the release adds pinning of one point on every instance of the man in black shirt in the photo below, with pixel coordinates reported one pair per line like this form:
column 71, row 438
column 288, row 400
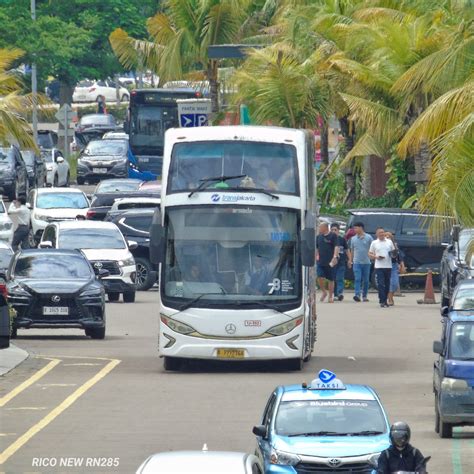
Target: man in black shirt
column 401, row 455
column 340, row 268
column 327, row 252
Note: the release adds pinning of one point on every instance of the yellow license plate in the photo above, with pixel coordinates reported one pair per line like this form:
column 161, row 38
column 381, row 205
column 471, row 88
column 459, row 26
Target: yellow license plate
column 231, row 353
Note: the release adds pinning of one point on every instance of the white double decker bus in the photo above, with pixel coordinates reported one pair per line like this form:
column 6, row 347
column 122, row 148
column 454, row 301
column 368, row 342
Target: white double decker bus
column 235, row 242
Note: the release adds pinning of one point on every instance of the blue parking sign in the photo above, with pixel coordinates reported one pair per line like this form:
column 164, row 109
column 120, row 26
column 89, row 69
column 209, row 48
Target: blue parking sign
column 193, row 120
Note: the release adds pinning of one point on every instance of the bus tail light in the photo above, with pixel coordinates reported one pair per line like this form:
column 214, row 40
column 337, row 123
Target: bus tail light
column 286, row 327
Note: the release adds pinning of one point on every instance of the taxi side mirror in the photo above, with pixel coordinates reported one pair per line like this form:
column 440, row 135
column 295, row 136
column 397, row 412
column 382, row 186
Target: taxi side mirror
column 444, row 311
column 438, row 347
column 260, row 430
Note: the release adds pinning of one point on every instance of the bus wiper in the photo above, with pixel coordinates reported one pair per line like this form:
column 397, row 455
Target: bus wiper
column 194, row 300
column 320, row 433
column 207, row 181
column 263, row 305
column 365, row 433
column 264, row 191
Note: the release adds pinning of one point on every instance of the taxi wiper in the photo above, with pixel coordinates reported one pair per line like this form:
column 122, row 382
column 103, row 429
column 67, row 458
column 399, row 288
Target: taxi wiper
column 194, row 300
column 320, row 433
column 365, row 433
column 208, row 181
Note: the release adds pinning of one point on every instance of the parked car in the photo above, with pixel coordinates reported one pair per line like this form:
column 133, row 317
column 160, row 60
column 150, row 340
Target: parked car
column 13, row 173
column 90, row 91
column 6, row 254
column 121, row 205
column 411, row 232
column 54, row 204
column 104, row 246
column 36, row 168
column 6, row 224
column 453, row 375
column 454, row 266
column 103, row 159
column 58, row 171
column 93, row 127
column 135, row 226
column 56, row 289
column 115, row 136
column 151, row 186
column 201, row 462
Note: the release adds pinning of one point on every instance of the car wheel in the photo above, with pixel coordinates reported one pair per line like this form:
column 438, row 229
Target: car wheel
column 4, row 342
column 171, row 363
column 437, row 417
column 55, row 181
column 295, row 364
column 144, row 274
column 129, row 297
column 80, row 181
column 31, row 239
column 14, row 333
column 113, row 296
column 445, row 429
column 68, row 177
column 124, row 98
column 97, row 333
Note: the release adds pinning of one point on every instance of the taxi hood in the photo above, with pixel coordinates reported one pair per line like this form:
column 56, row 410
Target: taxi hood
column 332, row 446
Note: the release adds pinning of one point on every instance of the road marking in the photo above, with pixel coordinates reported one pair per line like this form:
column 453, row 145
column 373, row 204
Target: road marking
column 47, row 385
column 81, row 363
column 26, row 408
column 30, row 381
column 456, row 453
column 7, row 434
column 46, row 420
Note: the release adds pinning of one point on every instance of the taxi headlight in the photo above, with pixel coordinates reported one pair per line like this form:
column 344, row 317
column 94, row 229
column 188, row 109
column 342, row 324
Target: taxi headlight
column 284, row 459
column 454, row 384
column 374, row 459
column 177, row 326
column 285, row 328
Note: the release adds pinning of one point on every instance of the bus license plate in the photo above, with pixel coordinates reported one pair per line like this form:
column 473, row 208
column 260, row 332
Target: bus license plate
column 99, row 170
column 56, row 310
column 143, row 160
column 231, row 353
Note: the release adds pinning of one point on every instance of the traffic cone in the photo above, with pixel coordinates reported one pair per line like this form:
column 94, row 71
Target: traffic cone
column 429, row 297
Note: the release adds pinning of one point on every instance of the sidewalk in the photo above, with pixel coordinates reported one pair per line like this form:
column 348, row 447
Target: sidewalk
column 10, row 358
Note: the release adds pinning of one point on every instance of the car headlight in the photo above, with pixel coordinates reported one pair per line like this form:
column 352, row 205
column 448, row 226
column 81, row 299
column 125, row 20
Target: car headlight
column 127, row 262
column 284, row 459
column 454, row 384
column 177, row 326
column 41, row 217
column 18, row 292
column 374, row 459
column 6, row 226
column 92, row 292
column 286, row 327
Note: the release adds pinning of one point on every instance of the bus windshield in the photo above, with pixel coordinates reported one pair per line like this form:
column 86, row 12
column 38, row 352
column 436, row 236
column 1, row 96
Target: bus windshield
column 231, row 256
column 269, row 166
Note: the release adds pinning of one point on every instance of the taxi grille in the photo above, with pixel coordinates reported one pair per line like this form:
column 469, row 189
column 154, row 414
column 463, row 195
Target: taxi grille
column 349, row 468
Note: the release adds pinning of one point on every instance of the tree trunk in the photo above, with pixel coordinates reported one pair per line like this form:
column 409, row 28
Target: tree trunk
column 65, row 93
column 212, row 77
column 348, row 132
column 324, row 131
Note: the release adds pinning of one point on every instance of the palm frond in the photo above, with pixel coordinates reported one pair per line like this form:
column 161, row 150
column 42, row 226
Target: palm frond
column 366, row 145
column 8, row 56
column 377, row 14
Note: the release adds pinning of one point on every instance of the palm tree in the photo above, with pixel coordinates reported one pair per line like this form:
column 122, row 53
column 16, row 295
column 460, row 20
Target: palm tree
column 180, row 36
column 13, row 125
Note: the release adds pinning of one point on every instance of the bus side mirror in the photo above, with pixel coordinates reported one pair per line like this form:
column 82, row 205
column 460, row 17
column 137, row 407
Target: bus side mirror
column 157, row 239
column 308, row 247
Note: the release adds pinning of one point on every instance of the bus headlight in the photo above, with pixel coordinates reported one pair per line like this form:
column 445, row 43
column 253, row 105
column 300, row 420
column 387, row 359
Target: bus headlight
column 177, row 326
column 286, row 327
column 284, row 459
column 453, row 385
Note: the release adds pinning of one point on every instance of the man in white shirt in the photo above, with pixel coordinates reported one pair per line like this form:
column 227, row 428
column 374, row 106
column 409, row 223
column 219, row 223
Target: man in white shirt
column 22, row 214
column 380, row 252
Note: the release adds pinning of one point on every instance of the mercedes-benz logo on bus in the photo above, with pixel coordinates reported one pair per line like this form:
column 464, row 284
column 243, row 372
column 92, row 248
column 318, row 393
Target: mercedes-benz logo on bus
column 98, row 265
column 215, row 198
column 55, row 299
column 230, row 328
column 334, row 462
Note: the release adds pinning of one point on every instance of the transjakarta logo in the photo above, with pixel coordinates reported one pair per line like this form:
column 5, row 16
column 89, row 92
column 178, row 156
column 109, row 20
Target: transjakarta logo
column 232, row 198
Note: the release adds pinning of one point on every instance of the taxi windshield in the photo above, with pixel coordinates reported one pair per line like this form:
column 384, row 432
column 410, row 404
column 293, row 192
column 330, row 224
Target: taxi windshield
column 330, row 418
column 462, row 341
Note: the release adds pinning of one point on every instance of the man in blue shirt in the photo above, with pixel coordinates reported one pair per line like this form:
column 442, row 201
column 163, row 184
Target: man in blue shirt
column 359, row 246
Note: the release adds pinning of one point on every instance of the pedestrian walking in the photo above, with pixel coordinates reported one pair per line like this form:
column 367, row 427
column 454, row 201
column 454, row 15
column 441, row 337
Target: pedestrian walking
column 101, row 106
column 398, row 267
column 342, row 262
column 22, row 214
column 359, row 246
column 326, row 258
column 381, row 252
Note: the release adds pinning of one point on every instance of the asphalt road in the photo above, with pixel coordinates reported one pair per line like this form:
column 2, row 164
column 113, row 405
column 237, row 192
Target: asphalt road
column 76, row 400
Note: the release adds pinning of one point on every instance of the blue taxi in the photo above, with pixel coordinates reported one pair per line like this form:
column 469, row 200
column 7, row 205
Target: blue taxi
column 325, row 426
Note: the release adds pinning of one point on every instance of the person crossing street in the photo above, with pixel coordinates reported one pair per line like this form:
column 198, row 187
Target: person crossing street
column 22, row 214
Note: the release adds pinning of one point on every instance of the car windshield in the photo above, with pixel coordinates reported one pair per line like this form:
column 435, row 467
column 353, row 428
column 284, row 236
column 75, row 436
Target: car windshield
column 116, row 186
column 99, row 119
column 464, row 299
column 466, row 239
column 6, row 156
column 45, row 140
column 61, row 201
column 52, row 267
column 28, row 157
column 94, row 238
column 232, row 256
column 5, row 257
column 329, row 415
column 462, row 341
column 269, row 166
column 106, row 147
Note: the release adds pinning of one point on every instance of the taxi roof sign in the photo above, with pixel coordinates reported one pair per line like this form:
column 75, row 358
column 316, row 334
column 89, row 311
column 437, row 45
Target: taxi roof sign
column 326, row 380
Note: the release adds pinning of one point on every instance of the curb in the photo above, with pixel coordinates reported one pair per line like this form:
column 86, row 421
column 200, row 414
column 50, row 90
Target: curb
column 11, row 358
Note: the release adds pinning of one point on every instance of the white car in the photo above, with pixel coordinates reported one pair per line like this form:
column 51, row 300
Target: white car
column 201, row 462
column 6, row 224
column 89, row 91
column 54, row 204
column 115, row 136
column 58, row 172
column 104, row 246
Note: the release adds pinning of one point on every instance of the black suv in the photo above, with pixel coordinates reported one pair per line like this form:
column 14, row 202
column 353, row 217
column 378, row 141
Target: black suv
column 411, row 233
column 135, row 225
column 454, row 266
column 13, row 173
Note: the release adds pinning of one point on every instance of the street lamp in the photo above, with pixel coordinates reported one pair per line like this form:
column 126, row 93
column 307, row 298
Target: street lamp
column 34, row 84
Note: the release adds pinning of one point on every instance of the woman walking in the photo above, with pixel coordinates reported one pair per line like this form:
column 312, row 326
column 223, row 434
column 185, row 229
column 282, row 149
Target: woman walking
column 398, row 266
